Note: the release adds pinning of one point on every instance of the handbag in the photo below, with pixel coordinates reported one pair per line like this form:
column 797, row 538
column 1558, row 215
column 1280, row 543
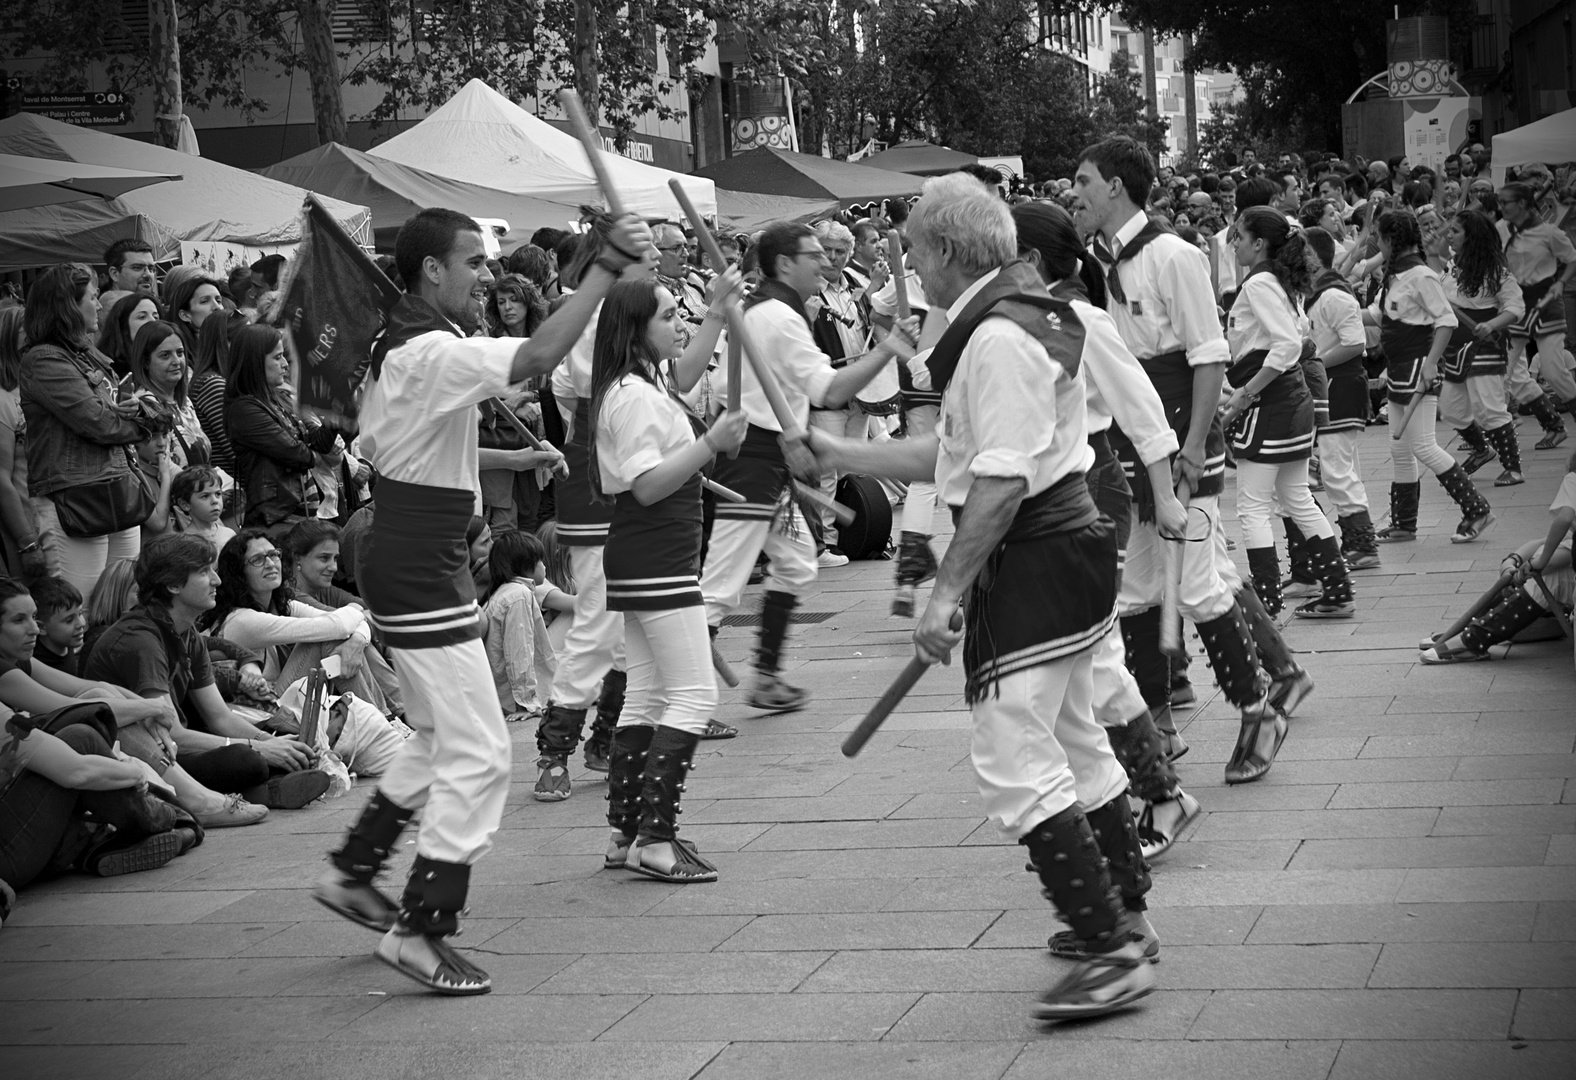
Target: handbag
column 105, row 507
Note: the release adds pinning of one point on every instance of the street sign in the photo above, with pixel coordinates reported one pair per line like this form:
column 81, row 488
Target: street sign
column 101, row 109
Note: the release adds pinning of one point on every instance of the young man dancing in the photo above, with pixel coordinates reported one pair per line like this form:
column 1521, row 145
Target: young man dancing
column 1038, row 565
column 418, row 427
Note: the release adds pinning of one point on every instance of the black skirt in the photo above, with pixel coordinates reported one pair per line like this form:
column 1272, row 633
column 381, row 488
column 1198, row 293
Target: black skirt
column 1279, row 427
column 652, row 552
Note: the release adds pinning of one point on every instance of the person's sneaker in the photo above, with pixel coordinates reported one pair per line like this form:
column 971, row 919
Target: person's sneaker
column 289, row 791
column 1161, row 823
column 235, row 813
column 1472, row 527
column 1101, row 984
column 1292, row 589
column 149, row 853
column 433, row 962
column 1321, row 608
column 831, row 558
column 1290, row 688
column 596, row 760
column 1368, row 560
column 1508, row 478
column 1551, row 439
column 772, row 695
column 552, row 784
column 1477, row 460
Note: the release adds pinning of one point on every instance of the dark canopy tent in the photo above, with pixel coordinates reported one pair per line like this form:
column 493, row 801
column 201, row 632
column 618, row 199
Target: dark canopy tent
column 395, row 193
column 920, row 158
column 805, row 176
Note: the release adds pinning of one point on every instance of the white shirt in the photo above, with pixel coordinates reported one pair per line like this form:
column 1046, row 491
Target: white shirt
column 1262, row 318
column 1010, row 411
column 803, row 371
column 884, row 300
column 1170, row 304
column 418, row 422
column 572, row 377
column 1117, row 388
column 1336, row 319
column 1507, row 299
column 638, row 427
column 1416, row 296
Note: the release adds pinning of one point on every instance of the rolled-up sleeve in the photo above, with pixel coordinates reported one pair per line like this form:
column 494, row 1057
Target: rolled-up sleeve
column 629, row 437
column 1126, row 389
column 1190, row 301
column 1011, row 391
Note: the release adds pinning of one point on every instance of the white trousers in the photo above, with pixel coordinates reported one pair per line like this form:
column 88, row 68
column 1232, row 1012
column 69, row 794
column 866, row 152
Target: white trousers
column 1261, row 485
column 1037, row 749
column 1208, row 588
column 919, row 507
column 731, row 556
column 1116, row 696
column 670, row 676
column 455, row 768
column 1480, row 398
column 80, row 561
column 1417, row 444
column 1340, row 467
column 846, row 423
column 594, row 642
column 1552, row 366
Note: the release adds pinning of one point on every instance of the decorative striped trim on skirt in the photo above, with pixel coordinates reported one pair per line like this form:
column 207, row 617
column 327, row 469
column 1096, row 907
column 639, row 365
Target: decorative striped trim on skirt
column 414, row 571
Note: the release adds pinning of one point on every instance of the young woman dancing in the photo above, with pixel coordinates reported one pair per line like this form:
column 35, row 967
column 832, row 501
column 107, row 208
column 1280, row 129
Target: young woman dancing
column 646, row 456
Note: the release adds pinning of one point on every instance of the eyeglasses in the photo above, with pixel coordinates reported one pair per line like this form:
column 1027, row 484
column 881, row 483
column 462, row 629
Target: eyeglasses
column 674, row 247
column 263, row 558
column 818, row 255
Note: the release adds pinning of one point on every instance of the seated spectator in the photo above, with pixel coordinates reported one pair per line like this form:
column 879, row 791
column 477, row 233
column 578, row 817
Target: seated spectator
column 274, row 450
column 37, row 690
column 514, row 632
column 196, row 501
column 258, row 611
column 118, row 329
column 210, row 375
column 113, row 596
column 24, row 555
column 351, row 538
column 312, row 556
column 156, row 651
column 61, row 624
column 160, row 378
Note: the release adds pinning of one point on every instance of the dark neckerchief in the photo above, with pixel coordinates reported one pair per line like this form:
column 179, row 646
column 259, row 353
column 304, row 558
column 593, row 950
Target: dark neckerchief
column 1113, row 283
column 410, row 318
column 1017, row 293
column 772, row 289
column 1326, row 281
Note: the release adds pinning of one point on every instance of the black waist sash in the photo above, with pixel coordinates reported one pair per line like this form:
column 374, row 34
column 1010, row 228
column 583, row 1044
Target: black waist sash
column 1466, row 356
column 652, row 551
column 1172, row 377
column 582, row 521
column 759, row 473
column 415, row 570
column 1405, row 347
column 1047, row 592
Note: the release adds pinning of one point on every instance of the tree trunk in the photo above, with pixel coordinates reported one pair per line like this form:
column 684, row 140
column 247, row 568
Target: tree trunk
column 1151, row 106
column 1191, row 106
column 585, row 58
column 322, row 69
column 164, row 48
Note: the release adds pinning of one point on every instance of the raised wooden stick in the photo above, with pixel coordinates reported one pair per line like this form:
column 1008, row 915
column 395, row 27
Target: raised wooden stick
column 720, row 491
column 899, row 274
column 575, row 110
column 562, row 468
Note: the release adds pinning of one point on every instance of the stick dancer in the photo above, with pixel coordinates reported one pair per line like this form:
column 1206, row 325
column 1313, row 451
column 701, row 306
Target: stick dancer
column 1038, row 565
column 418, row 428
column 647, row 458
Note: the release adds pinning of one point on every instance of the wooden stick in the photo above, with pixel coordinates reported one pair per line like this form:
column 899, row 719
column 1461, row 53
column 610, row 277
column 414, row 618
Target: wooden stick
column 720, row 491
column 906, row 679
column 723, row 668
column 735, row 366
column 1171, row 591
column 899, row 274
column 575, row 110
column 531, row 440
column 1555, row 607
column 709, row 244
column 1397, row 430
column 843, row 514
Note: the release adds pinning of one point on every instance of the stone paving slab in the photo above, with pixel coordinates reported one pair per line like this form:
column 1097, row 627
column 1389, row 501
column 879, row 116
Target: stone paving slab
column 1396, row 899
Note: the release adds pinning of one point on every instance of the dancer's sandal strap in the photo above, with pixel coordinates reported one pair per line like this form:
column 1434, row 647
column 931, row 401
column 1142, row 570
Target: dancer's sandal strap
column 688, row 865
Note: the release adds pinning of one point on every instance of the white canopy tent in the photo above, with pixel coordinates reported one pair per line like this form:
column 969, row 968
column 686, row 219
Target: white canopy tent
column 1551, row 140
column 481, row 137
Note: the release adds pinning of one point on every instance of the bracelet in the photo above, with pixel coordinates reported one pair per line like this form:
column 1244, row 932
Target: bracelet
column 25, row 548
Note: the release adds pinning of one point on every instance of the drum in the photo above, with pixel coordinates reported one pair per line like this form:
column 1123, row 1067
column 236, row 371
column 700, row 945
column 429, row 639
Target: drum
column 870, row 533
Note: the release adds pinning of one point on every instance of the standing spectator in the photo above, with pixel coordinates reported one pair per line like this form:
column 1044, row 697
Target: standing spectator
column 24, row 558
column 190, row 301
column 209, row 386
column 1543, row 262
column 196, row 501
column 245, row 292
column 81, row 475
column 273, row 449
column 118, row 329
column 131, row 270
column 159, row 372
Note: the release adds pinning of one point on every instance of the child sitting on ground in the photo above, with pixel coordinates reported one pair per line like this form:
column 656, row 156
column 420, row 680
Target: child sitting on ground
column 61, row 624
column 1528, row 599
column 556, row 592
column 196, row 503
column 513, row 630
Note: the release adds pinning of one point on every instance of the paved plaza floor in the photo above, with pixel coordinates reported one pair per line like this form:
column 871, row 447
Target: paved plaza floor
column 1397, row 898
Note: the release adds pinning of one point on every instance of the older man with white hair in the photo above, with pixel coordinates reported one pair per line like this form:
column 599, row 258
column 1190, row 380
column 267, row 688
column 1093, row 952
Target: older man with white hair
column 1037, row 562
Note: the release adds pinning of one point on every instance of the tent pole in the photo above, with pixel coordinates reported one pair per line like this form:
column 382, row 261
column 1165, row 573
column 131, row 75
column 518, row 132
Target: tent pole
column 793, row 124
